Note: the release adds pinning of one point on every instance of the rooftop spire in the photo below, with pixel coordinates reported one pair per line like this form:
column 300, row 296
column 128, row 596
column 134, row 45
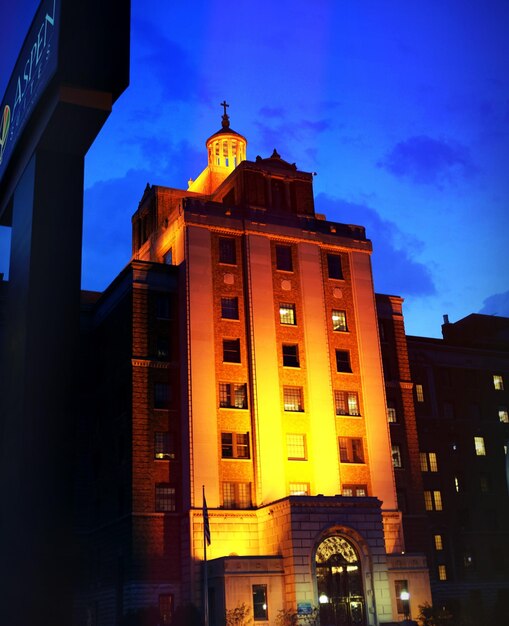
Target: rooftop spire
column 226, row 117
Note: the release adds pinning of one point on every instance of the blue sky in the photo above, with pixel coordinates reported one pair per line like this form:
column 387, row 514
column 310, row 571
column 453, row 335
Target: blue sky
column 402, row 110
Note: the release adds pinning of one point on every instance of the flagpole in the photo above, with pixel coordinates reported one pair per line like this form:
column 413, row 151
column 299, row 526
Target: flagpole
column 206, row 539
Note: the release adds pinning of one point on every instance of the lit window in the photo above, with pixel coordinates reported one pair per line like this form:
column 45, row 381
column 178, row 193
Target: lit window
column 293, row 399
column 164, row 445
column 457, row 484
column 334, row 267
column 235, row 445
column 419, row 393
column 165, row 498
column 230, row 308
column 498, row 382
column 351, row 450
column 428, row 461
column 442, row 572
column 233, row 395
column 227, row 251
column 346, row 403
column 439, row 544
column 339, row 320
column 290, row 355
column 260, row 607
column 400, row 587
column 236, row 495
column 299, row 489
column 343, row 361
column 480, row 449
column 284, row 258
column 296, row 447
column 396, row 456
column 359, row 491
column 287, row 313
column 503, row 416
column 231, row 350
column 433, row 500
column 392, row 415
column 161, row 396
column 165, row 608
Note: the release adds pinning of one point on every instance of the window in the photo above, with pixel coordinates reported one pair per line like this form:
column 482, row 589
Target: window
column 168, row 257
column 227, row 251
column 290, row 355
column 235, row 445
column 392, row 416
column 457, row 484
column 334, row 268
column 359, row 491
column 163, row 306
column 448, row 410
column 164, row 445
column 484, row 483
column 162, row 348
column 339, row 320
column 236, row 495
column 400, row 586
column 260, row 608
column 343, row 361
column 428, row 461
column 165, row 608
column 231, row 350
column 230, row 308
column 439, row 544
column 351, row 450
column 287, row 313
column 346, row 403
column 296, row 447
column 165, row 498
column 419, row 393
column 433, row 500
column 299, row 489
column 498, row 382
column 503, row 416
column 161, row 396
column 293, row 399
column 396, row 456
column 284, row 258
column 442, row 572
column 480, row 449
column 233, row 395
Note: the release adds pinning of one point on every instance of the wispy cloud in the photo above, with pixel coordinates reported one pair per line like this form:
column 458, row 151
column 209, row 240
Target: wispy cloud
column 394, row 268
column 429, row 161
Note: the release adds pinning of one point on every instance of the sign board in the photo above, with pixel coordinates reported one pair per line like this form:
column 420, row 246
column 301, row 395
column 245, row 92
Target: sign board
column 304, row 608
column 36, row 65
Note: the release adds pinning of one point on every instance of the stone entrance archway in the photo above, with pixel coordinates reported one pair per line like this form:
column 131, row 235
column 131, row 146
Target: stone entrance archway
column 339, row 583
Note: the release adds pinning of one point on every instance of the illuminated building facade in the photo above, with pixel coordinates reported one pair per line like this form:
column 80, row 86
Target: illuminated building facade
column 253, row 370
column 461, row 404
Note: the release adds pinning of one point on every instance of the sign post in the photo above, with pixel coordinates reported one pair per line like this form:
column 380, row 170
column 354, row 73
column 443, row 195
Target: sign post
column 73, row 65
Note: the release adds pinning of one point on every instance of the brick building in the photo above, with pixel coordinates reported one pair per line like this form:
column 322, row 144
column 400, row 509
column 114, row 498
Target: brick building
column 461, row 406
column 239, row 352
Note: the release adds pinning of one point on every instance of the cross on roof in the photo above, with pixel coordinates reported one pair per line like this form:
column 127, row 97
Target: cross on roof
column 224, row 104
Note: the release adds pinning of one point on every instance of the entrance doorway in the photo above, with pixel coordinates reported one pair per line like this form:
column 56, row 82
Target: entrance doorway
column 339, row 582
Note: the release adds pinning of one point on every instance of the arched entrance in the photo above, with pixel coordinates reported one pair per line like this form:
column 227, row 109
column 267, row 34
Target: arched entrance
column 339, row 582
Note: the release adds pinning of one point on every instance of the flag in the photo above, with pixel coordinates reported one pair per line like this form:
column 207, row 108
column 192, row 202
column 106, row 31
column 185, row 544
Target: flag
column 206, row 525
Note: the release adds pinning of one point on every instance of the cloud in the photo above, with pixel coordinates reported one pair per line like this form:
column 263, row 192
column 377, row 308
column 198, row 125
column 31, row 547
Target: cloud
column 496, row 304
column 176, row 73
column 109, row 205
column 282, row 135
column 395, row 270
column 428, row 161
